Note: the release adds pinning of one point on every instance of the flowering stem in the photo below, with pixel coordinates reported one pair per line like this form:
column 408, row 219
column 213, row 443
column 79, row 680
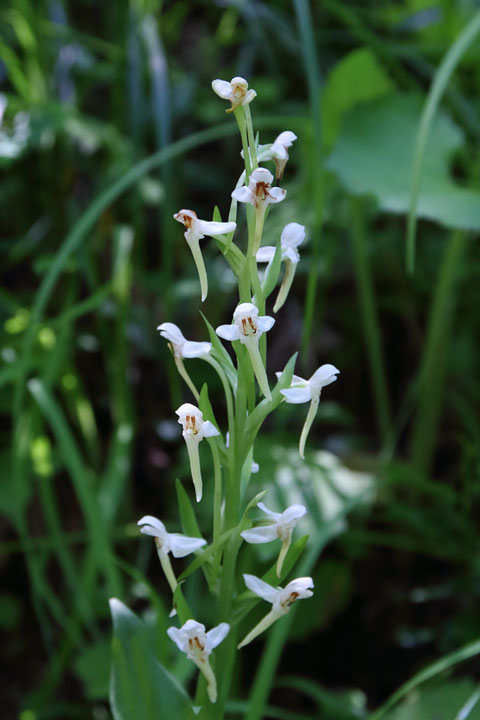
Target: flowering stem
column 312, row 411
column 184, row 374
column 285, row 286
column 194, row 246
column 251, row 137
column 166, row 566
column 240, row 118
column 282, row 554
column 193, row 456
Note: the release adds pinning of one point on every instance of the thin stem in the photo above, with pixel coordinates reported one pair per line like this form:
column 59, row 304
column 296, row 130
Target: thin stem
column 166, row 566
column 251, row 137
column 263, row 625
column 193, row 456
column 240, row 118
column 312, row 411
column 194, row 246
column 186, row 377
column 285, row 286
column 259, row 367
column 282, row 554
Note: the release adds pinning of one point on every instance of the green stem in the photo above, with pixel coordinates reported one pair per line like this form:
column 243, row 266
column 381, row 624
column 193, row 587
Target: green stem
column 251, row 137
column 258, row 367
column 194, row 246
column 312, row 412
column 193, row 456
column 288, row 276
column 166, row 566
column 186, row 377
column 240, row 118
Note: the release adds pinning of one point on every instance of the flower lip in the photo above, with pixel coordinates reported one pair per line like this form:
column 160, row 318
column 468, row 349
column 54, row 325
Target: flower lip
column 187, row 217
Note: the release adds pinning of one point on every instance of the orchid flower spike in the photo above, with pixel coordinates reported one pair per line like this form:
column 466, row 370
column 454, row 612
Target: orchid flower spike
column 281, row 526
column 281, row 599
column 259, row 191
column 301, row 391
column 195, row 428
column 291, row 238
column 195, row 230
column 279, row 151
column 248, row 327
column 197, row 644
column 178, row 545
column 236, row 91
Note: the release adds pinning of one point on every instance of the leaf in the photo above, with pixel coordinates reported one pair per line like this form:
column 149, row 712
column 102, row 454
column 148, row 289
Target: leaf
column 92, row 667
column 254, row 501
column 187, row 513
column 221, row 354
column 374, row 155
column 273, row 270
column 442, row 701
column 357, row 78
column 140, row 687
column 208, row 552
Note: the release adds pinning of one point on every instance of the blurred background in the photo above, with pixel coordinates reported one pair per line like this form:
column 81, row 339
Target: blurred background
column 92, row 262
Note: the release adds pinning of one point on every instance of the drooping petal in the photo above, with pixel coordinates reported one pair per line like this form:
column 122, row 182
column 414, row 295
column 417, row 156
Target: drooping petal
column 286, row 138
column 279, row 151
column 265, row 254
column 296, row 395
column 171, row 332
column 293, row 234
column 251, row 94
column 212, row 228
column 181, row 545
column 209, row 429
column 217, row 634
column 294, row 512
column 259, row 535
column 261, row 588
column 228, row 332
column 242, row 194
column 150, row 525
column 301, row 586
column 222, row 88
column 325, row 375
column 274, row 515
column 291, row 254
column 192, row 349
column 265, row 323
column 175, row 635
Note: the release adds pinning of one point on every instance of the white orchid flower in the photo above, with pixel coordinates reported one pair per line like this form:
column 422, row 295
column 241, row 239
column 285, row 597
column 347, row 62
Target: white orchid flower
column 195, row 428
column 281, row 598
column 182, row 348
column 197, row 644
column 279, row 151
column 259, row 191
column 248, row 327
column 282, row 526
column 291, row 238
column 236, row 91
column 302, row 391
column 195, row 230
column 175, row 543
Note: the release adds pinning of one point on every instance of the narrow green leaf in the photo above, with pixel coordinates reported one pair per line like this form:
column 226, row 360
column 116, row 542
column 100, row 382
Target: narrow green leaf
column 181, row 605
column 187, row 513
column 209, row 551
column 140, row 687
column 221, row 354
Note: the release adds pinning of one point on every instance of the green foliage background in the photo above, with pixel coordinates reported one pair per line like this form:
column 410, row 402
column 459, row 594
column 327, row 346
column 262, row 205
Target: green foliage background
column 109, row 127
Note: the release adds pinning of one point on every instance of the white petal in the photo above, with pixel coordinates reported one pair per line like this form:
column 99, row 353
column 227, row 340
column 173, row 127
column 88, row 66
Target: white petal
column 279, row 151
column 151, row 526
column 286, row 138
column 251, row 94
column 276, row 516
column 261, row 175
column 291, row 254
column 217, row 634
column 265, row 254
column 209, row 429
column 242, row 194
column 174, row 634
column 258, row 535
column 297, row 380
column 189, row 409
column 300, row 586
column 222, row 88
column 293, row 234
column 297, row 395
column 325, row 375
column 275, row 195
column 171, row 332
column 245, row 309
column 228, row 332
column 294, row 512
column 181, row 545
column 213, row 228
column 265, row 323
column 193, row 349
column 261, row 588
column 255, row 468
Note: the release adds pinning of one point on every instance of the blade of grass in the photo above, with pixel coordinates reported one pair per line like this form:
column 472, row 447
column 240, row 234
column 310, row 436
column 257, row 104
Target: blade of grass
column 439, row 85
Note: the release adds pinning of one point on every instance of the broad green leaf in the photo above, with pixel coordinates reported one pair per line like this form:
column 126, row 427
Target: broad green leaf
column 273, row 270
column 140, row 687
column 357, row 78
column 187, row 513
column 374, row 156
column 442, row 701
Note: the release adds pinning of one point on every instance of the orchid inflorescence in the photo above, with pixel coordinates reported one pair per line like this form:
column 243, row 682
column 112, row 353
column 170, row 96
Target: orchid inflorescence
column 232, row 449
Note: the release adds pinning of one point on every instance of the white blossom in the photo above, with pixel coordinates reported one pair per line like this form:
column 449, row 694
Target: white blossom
column 281, row 599
column 279, row 151
column 195, row 428
column 291, row 238
column 236, row 91
column 302, row 391
column 281, row 527
column 248, row 327
column 197, row 644
column 259, row 191
column 181, row 347
column 195, row 230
